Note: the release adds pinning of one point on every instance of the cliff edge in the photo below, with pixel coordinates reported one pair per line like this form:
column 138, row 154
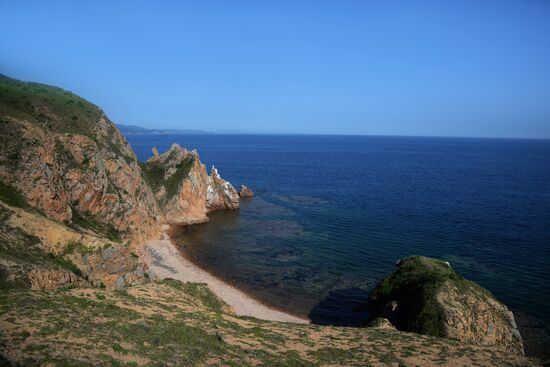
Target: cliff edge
column 70, row 162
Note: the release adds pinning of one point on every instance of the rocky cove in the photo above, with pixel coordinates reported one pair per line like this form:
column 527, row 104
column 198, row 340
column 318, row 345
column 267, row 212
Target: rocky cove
column 84, row 223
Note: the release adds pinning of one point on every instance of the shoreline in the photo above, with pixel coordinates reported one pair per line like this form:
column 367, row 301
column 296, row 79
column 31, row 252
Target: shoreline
column 166, row 260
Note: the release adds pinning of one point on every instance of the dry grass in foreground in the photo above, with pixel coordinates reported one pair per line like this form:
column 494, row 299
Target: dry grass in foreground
column 176, row 324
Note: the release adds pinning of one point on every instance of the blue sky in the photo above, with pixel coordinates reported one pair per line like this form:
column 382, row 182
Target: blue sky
column 443, row 68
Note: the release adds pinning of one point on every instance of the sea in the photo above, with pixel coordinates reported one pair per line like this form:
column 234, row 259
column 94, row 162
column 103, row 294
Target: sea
column 333, row 214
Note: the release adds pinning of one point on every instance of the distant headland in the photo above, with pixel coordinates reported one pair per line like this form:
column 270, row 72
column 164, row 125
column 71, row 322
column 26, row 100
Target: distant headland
column 134, row 129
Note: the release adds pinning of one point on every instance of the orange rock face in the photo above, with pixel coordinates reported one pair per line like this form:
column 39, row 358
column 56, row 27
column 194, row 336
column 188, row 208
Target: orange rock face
column 95, row 174
column 183, row 188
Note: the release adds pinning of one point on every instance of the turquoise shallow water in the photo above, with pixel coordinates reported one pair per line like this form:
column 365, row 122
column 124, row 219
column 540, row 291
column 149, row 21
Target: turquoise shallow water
column 332, row 214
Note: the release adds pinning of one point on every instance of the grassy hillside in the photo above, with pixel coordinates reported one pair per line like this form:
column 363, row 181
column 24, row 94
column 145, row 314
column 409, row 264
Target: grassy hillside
column 175, row 324
column 52, row 108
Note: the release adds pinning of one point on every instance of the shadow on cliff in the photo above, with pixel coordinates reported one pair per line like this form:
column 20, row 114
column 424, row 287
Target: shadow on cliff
column 342, row 307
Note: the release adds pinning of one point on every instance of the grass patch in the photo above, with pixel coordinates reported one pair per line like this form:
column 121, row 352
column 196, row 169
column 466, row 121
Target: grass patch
column 64, row 156
column 56, row 110
column 198, row 291
column 51, row 108
column 290, row 358
column 160, row 338
column 154, row 173
column 331, row 355
column 173, row 182
column 87, row 221
column 73, row 246
column 66, row 264
column 11, row 196
column 154, row 329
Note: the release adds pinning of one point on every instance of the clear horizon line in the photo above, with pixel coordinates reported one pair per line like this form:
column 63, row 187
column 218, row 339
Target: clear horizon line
column 222, row 132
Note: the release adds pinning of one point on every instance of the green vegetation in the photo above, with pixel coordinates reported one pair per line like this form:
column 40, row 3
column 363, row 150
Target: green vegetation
column 155, row 173
column 198, row 291
column 76, row 246
column 173, row 182
column 64, row 156
column 12, row 141
column 65, row 264
column 166, row 324
column 416, row 284
column 332, row 355
column 87, row 221
column 52, row 108
column 11, row 196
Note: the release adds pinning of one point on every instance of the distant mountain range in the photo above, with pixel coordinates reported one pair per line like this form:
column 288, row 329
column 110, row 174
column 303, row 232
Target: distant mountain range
column 132, row 129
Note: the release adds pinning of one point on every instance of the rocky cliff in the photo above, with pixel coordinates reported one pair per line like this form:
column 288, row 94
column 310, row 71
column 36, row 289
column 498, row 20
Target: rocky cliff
column 68, row 176
column 427, row 296
column 70, row 162
column 183, row 188
column 220, row 194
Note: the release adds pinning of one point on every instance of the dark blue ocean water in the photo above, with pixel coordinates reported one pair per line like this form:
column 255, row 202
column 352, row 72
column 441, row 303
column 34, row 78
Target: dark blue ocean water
column 332, row 214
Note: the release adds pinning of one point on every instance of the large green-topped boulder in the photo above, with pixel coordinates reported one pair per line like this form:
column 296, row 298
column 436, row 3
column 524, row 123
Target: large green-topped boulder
column 427, row 296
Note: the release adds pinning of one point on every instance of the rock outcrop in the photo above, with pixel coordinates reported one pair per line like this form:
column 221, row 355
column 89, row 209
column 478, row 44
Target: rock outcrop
column 114, row 267
column 52, row 279
column 427, row 296
column 220, row 194
column 179, row 182
column 69, row 161
column 245, row 192
column 30, row 258
column 183, row 188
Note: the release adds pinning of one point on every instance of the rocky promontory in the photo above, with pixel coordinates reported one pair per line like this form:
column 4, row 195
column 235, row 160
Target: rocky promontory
column 183, row 188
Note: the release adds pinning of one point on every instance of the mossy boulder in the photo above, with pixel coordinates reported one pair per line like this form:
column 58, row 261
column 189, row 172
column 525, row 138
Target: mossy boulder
column 427, row 296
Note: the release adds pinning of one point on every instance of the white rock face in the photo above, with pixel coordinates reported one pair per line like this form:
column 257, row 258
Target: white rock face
column 220, row 194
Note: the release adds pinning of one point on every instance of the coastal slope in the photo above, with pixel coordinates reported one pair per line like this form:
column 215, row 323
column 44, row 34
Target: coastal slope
column 184, row 324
